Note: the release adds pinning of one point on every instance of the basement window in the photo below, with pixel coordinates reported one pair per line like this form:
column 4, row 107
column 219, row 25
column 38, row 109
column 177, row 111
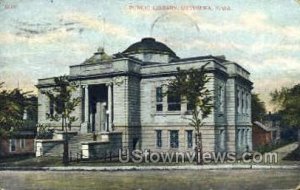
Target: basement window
column 174, row 139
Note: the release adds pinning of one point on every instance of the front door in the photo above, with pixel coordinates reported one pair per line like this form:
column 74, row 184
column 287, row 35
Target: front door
column 103, row 117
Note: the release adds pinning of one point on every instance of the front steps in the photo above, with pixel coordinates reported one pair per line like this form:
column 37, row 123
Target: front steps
column 75, row 143
column 87, row 145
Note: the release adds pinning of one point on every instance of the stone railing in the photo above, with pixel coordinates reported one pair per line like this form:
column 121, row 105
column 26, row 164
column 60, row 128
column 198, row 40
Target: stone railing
column 48, row 147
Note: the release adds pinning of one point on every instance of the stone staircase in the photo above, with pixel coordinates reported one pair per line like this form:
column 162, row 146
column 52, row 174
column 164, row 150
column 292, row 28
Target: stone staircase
column 75, row 143
column 81, row 146
column 74, row 146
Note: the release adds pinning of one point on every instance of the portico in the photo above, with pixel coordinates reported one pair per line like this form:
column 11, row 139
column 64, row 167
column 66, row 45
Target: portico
column 97, row 108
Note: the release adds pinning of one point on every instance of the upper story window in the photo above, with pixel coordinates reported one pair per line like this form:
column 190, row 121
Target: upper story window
column 147, row 57
column 246, row 102
column 174, row 102
column 221, row 102
column 189, row 106
column 242, row 100
column 238, row 100
column 159, row 99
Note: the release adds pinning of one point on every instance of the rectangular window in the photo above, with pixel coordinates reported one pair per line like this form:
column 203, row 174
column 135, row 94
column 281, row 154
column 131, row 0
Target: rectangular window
column 158, row 139
column 174, row 139
column 189, row 106
column 242, row 97
column 221, row 99
column 238, row 101
column 249, row 103
column 174, row 102
column 159, row 99
column 22, row 143
column 246, row 102
column 12, row 145
column 189, row 135
column 51, row 107
column 220, row 94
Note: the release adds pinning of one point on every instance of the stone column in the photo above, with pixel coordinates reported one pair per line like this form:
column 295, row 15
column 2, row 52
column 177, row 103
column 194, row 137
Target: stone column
column 109, row 106
column 239, row 139
column 98, row 118
column 245, row 139
column 222, row 140
column 249, row 131
column 85, row 124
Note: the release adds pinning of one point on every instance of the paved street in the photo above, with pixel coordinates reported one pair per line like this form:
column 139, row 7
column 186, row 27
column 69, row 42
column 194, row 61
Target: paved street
column 205, row 179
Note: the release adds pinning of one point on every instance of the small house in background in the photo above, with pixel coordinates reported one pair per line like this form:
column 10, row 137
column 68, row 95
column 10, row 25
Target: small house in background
column 263, row 135
column 274, row 121
column 21, row 141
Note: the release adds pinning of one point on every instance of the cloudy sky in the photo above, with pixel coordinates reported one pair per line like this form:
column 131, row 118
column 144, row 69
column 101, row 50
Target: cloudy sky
column 41, row 38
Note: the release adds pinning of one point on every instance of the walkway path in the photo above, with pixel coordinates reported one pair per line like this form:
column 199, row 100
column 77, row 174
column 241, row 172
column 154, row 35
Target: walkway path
column 284, row 151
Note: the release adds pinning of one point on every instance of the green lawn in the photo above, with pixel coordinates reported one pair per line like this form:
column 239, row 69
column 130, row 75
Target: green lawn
column 31, row 161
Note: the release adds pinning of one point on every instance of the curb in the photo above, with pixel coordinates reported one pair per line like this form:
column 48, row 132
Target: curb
column 149, row 168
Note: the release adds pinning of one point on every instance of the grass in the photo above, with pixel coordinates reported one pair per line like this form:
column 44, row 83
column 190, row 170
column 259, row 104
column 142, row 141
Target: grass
column 269, row 148
column 55, row 161
column 31, row 161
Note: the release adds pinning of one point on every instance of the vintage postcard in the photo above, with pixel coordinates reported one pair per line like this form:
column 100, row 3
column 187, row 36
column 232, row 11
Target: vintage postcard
column 137, row 94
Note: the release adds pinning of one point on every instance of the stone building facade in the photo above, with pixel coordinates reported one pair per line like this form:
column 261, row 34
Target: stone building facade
column 123, row 94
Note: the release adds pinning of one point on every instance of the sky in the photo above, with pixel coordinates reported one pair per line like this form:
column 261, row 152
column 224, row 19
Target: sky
column 42, row 38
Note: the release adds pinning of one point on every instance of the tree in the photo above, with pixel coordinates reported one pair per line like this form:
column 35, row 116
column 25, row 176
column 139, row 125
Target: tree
column 13, row 104
column 258, row 108
column 190, row 85
column 288, row 104
column 63, row 105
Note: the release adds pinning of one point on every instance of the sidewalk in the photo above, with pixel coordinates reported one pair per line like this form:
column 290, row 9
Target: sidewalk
column 284, row 151
column 145, row 168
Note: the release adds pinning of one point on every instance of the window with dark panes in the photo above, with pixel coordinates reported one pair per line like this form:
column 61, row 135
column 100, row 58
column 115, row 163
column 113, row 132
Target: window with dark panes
column 189, row 134
column 158, row 139
column 174, row 102
column 51, row 107
column 242, row 99
column 159, row 99
column 12, row 143
column 221, row 98
column 174, row 139
column 238, row 100
column 189, row 106
column 246, row 102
